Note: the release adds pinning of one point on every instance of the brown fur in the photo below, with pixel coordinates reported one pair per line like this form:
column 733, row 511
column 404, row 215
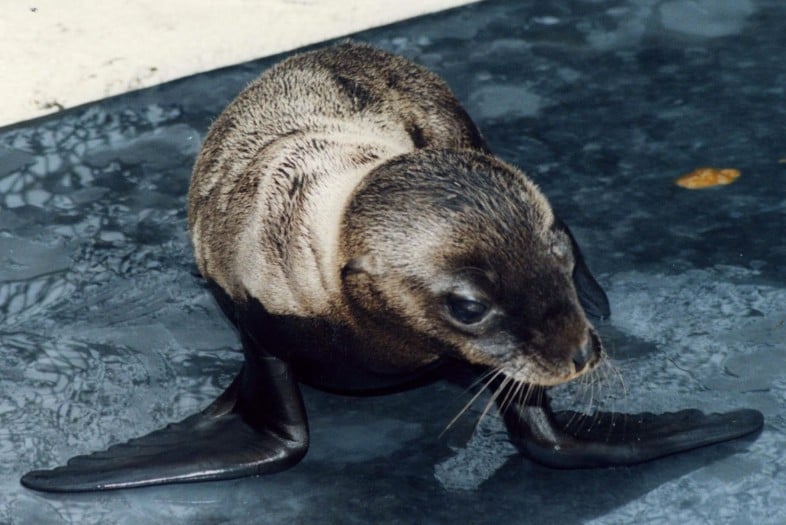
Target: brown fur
column 348, row 185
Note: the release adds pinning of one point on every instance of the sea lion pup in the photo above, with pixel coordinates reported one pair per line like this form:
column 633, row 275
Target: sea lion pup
column 359, row 234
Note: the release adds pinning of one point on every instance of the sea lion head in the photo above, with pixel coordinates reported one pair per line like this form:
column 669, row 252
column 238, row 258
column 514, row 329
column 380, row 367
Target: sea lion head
column 464, row 256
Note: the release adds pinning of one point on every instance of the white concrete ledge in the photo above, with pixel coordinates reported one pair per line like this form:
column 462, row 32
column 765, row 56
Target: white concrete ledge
column 61, row 53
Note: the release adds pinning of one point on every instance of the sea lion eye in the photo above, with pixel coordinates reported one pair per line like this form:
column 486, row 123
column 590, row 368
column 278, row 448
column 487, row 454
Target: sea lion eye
column 466, row 311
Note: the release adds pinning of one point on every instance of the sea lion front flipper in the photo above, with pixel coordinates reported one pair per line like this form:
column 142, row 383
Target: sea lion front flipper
column 572, row 440
column 591, row 296
column 257, row 426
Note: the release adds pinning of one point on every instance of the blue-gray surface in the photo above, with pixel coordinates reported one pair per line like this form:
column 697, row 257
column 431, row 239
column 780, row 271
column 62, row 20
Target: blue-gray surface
column 107, row 333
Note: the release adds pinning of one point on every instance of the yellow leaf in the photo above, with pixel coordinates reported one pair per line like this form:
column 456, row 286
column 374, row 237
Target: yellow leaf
column 707, row 177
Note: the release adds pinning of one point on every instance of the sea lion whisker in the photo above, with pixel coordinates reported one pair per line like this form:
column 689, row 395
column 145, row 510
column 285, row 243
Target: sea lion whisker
column 610, row 376
column 493, row 398
column 523, row 394
column 492, row 377
column 615, row 372
column 482, row 377
column 618, row 374
column 583, row 387
column 596, row 389
column 540, row 392
column 575, row 418
column 510, row 396
column 585, row 394
column 612, row 368
column 528, row 393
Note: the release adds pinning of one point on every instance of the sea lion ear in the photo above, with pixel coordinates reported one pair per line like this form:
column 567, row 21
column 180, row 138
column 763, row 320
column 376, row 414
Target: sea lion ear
column 363, row 264
column 591, row 296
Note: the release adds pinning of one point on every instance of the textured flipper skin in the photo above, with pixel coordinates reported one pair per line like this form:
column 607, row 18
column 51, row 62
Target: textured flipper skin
column 257, row 426
column 572, row 440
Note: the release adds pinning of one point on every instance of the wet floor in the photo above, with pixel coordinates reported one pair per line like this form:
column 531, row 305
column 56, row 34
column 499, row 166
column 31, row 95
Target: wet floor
column 107, row 332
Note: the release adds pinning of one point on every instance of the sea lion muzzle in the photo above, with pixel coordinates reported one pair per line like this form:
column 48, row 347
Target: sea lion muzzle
column 583, row 355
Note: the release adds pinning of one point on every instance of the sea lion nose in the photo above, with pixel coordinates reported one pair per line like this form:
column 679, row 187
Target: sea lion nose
column 582, row 355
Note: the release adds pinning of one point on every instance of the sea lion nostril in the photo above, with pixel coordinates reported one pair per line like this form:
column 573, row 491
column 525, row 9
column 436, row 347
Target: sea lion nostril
column 581, row 356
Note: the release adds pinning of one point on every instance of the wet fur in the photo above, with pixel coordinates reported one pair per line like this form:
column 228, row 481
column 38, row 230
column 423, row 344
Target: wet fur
column 269, row 153
column 347, row 188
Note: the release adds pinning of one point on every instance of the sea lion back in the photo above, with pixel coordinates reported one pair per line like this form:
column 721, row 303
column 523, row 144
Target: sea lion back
column 279, row 164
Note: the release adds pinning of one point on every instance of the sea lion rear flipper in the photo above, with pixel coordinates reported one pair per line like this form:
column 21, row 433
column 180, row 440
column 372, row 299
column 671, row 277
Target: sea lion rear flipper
column 572, row 440
column 257, row 426
column 591, row 296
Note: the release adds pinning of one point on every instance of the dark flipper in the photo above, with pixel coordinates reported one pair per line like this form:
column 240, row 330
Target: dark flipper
column 591, row 296
column 257, row 426
column 572, row 440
